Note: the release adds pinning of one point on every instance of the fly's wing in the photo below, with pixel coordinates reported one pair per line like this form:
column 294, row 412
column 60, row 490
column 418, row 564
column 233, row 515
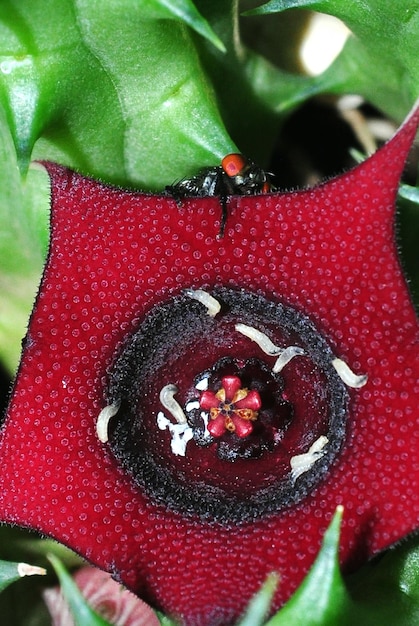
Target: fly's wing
column 205, row 183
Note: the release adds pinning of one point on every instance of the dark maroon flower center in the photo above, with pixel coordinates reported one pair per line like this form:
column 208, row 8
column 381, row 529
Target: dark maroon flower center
column 226, row 405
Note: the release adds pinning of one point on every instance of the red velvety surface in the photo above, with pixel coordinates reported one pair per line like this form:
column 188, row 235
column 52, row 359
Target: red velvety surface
column 329, row 252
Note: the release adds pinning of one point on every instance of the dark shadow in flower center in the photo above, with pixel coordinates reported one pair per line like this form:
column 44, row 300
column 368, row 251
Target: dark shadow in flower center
column 231, row 414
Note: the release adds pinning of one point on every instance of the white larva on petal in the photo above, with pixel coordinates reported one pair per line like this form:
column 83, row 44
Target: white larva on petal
column 301, row 463
column 346, row 374
column 168, row 401
column 103, row 420
column 285, row 357
column 210, row 303
column 263, row 341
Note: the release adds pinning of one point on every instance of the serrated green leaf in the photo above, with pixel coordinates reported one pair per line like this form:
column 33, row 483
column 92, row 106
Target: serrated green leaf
column 246, row 110
column 10, row 572
column 83, row 614
column 171, row 119
column 385, row 591
column 184, row 10
column 322, row 598
column 106, row 89
column 259, row 606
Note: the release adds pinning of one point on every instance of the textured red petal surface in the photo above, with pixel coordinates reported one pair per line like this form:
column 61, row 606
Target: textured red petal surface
column 330, row 253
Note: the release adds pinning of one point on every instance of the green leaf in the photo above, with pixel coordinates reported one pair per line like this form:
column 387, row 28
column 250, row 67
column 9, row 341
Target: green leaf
column 46, row 547
column 10, row 572
column 165, row 621
column 276, row 6
column 386, row 591
column 24, row 208
column 82, row 613
column 260, row 604
column 104, row 88
column 322, row 598
column 409, row 193
column 380, row 61
column 185, row 11
column 244, row 101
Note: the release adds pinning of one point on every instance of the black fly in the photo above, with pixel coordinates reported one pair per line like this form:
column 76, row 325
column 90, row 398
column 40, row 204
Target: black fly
column 236, row 175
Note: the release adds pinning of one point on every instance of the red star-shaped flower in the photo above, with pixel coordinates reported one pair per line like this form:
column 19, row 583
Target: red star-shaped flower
column 143, row 315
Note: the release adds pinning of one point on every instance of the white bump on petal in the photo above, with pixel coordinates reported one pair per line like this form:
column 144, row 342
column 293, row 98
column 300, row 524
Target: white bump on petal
column 24, row 569
column 205, row 418
column 194, row 404
column 181, row 434
column 162, row 421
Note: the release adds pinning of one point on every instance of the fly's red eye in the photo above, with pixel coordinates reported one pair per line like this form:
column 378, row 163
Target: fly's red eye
column 233, row 164
column 266, row 187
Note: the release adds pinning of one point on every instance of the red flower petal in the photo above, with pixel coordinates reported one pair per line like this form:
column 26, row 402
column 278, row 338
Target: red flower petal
column 242, row 428
column 208, row 400
column 231, row 384
column 329, row 255
column 251, row 401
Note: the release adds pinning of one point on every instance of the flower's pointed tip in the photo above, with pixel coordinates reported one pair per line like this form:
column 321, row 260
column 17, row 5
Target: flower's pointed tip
column 381, row 172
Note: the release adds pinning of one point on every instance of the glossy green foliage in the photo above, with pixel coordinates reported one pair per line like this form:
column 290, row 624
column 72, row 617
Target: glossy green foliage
column 380, row 59
column 108, row 87
column 104, row 89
